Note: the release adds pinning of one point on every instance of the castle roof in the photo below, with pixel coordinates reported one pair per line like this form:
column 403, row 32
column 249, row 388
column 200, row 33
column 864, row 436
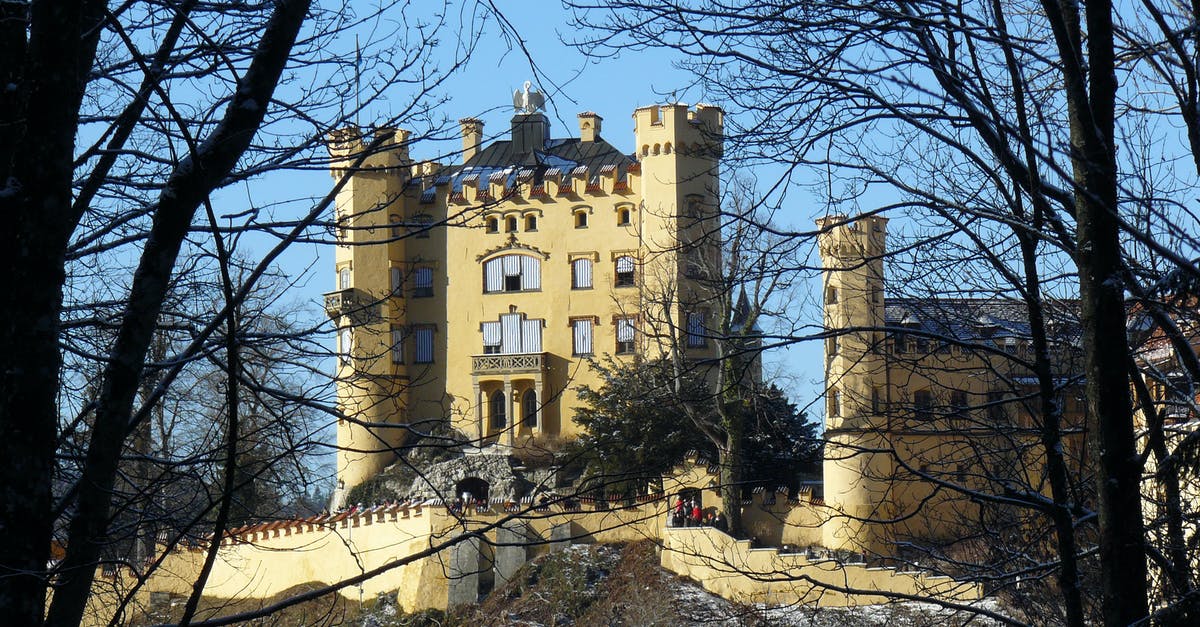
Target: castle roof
column 976, row 319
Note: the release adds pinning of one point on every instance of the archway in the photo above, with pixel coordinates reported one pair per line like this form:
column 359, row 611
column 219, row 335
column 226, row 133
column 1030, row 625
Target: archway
column 473, row 488
column 498, row 401
column 529, row 408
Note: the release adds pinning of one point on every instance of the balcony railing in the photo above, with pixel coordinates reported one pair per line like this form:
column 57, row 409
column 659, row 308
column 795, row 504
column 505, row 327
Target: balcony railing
column 510, row 363
column 344, row 302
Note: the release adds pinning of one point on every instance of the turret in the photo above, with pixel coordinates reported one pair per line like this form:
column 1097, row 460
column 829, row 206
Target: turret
column 678, row 150
column 857, row 479
column 365, row 305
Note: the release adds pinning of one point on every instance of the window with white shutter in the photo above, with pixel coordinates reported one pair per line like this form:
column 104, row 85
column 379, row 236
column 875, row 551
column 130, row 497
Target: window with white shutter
column 512, row 273
column 510, row 329
column 582, row 331
column 491, row 337
column 397, row 280
column 423, row 282
column 531, row 336
column 397, row 345
column 624, row 336
column 581, row 274
column 423, row 338
column 344, row 346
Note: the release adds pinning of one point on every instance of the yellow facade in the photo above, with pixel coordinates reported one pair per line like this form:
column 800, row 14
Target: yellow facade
column 926, row 400
column 476, row 293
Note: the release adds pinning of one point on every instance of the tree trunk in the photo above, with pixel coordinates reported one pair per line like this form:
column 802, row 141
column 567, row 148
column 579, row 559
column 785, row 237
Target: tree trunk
column 1090, row 95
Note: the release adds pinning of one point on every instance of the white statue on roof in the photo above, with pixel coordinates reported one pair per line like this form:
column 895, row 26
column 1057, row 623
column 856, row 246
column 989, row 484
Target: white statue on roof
column 529, row 101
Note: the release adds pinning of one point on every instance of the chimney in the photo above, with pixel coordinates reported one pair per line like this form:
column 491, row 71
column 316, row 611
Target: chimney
column 589, row 126
column 472, row 136
column 530, row 132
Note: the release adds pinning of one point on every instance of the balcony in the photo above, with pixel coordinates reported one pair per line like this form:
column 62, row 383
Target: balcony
column 515, row 363
column 345, row 302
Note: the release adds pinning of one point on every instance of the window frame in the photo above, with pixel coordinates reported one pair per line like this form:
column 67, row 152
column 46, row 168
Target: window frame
column 627, row 278
column 419, row 290
column 417, row 332
column 625, row 347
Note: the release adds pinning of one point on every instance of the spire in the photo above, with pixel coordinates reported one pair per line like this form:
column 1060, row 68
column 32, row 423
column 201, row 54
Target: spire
column 741, row 313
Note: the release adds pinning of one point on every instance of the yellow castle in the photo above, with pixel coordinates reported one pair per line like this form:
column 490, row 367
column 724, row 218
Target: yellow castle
column 477, row 291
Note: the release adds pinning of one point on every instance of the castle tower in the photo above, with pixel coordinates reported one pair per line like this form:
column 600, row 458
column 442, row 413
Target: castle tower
column 367, row 304
column 856, row 391
column 679, row 152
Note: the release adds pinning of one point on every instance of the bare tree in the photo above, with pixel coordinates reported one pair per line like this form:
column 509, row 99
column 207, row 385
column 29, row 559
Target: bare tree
column 1001, row 127
column 119, row 127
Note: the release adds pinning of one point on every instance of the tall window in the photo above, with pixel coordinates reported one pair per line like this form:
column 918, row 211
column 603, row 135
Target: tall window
column 622, row 217
column 397, row 345
column 581, row 219
column 497, row 409
column 397, row 280
column 423, row 282
column 529, row 406
column 923, row 403
column 581, row 274
column 493, row 225
column 835, row 403
column 512, row 273
column 958, row 402
column 625, row 336
column 344, row 346
column 512, row 334
column 625, row 272
column 530, row 223
column 344, row 278
column 581, row 330
column 423, row 339
column 510, row 225
column 876, row 401
column 695, row 330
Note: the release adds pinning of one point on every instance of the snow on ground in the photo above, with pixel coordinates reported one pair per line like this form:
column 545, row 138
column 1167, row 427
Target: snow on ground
column 697, row 606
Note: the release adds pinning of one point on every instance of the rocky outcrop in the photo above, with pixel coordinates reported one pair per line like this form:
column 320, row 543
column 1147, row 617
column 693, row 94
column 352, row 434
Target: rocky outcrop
column 439, row 480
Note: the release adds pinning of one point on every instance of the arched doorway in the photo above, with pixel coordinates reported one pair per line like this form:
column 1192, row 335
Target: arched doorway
column 497, row 409
column 529, row 408
column 471, row 488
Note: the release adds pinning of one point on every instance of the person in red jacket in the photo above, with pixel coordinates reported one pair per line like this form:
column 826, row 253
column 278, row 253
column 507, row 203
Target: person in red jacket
column 696, row 513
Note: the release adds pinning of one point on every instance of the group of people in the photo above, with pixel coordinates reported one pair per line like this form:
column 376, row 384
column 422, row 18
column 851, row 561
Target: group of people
column 688, row 513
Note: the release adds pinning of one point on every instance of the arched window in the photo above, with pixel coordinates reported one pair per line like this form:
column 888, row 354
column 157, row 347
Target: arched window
column 530, row 223
column 529, row 407
column 344, row 278
column 581, row 219
column 510, row 225
column 512, row 273
column 493, row 225
column 623, row 217
column 497, row 409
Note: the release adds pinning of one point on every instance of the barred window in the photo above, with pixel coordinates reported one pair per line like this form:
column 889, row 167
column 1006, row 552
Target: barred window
column 423, row 337
column 625, row 272
column 423, row 282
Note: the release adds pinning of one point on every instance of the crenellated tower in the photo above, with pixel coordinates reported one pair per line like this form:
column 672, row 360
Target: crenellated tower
column 679, row 152
column 367, row 306
column 856, row 388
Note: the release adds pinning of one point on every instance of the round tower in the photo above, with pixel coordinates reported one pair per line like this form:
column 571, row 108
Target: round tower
column 367, row 303
column 856, row 478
